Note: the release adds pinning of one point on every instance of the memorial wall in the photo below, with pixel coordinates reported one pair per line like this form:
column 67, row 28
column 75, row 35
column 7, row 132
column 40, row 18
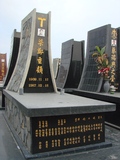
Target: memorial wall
column 102, row 36
column 71, row 66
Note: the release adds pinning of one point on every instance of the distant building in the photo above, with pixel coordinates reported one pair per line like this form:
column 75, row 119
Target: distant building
column 3, row 66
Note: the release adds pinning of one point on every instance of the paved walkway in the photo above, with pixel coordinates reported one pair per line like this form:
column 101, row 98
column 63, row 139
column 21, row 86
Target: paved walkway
column 8, row 148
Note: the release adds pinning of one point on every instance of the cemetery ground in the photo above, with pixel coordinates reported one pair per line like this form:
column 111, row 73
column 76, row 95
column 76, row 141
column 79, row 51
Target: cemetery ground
column 10, row 150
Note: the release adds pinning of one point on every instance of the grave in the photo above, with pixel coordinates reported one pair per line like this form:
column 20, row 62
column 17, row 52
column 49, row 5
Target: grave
column 15, row 41
column 43, row 121
column 71, row 66
column 102, row 36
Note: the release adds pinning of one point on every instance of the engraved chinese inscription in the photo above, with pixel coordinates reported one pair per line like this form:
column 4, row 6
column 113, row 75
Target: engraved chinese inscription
column 60, row 132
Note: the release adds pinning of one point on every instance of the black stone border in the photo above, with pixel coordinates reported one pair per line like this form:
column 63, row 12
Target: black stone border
column 63, row 152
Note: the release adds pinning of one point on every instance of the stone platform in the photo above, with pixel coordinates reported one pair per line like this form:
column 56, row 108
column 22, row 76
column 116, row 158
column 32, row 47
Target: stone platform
column 11, row 150
column 56, row 122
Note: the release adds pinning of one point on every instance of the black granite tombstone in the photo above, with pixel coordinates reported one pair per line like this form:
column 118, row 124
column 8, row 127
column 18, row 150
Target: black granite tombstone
column 103, row 36
column 72, row 60
column 15, row 41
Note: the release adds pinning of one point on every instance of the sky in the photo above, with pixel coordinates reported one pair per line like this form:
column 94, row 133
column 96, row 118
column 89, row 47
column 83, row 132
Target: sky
column 70, row 19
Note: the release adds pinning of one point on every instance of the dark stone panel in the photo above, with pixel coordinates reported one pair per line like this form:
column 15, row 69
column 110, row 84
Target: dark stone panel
column 39, row 76
column 13, row 55
column 72, row 59
column 101, row 37
column 63, row 132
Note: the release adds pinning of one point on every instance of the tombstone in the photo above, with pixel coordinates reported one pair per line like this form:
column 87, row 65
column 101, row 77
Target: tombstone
column 72, row 60
column 102, row 36
column 43, row 121
column 56, row 65
column 33, row 70
column 15, row 41
column 3, row 66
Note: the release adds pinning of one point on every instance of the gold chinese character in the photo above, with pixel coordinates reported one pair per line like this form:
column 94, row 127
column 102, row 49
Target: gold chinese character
column 94, row 137
column 52, row 131
column 84, row 119
column 113, row 57
column 113, row 50
column 40, row 133
column 55, row 131
column 113, row 64
column 40, row 42
column 53, row 143
column 40, row 51
column 39, row 60
column 58, row 122
column 59, row 142
column 46, row 79
column 49, row 131
column 64, row 130
column 39, row 124
column 43, row 124
column 114, row 34
column 46, row 85
column 46, row 144
column 36, row 133
column 39, row 69
column 40, row 145
column 46, row 123
column 43, row 132
column 84, row 139
column 65, row 142
column 41, row 21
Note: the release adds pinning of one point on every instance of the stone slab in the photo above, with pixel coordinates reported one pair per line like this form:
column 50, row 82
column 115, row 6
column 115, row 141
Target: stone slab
column 48, row 104
column 53, row 154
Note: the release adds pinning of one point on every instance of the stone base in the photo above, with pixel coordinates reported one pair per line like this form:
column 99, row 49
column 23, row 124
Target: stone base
column 63, row 152
column 55, row 123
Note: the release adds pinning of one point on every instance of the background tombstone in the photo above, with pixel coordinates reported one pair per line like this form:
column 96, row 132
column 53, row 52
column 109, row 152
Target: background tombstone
column 56, row 65
column 72, row 60
column 102, row 36
column 33, row 71
column 15, row 41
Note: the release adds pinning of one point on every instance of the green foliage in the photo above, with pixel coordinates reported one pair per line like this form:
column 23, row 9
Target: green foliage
column 101, row 58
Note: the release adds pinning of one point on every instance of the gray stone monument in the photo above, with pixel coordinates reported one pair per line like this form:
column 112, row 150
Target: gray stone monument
column 34, row 55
